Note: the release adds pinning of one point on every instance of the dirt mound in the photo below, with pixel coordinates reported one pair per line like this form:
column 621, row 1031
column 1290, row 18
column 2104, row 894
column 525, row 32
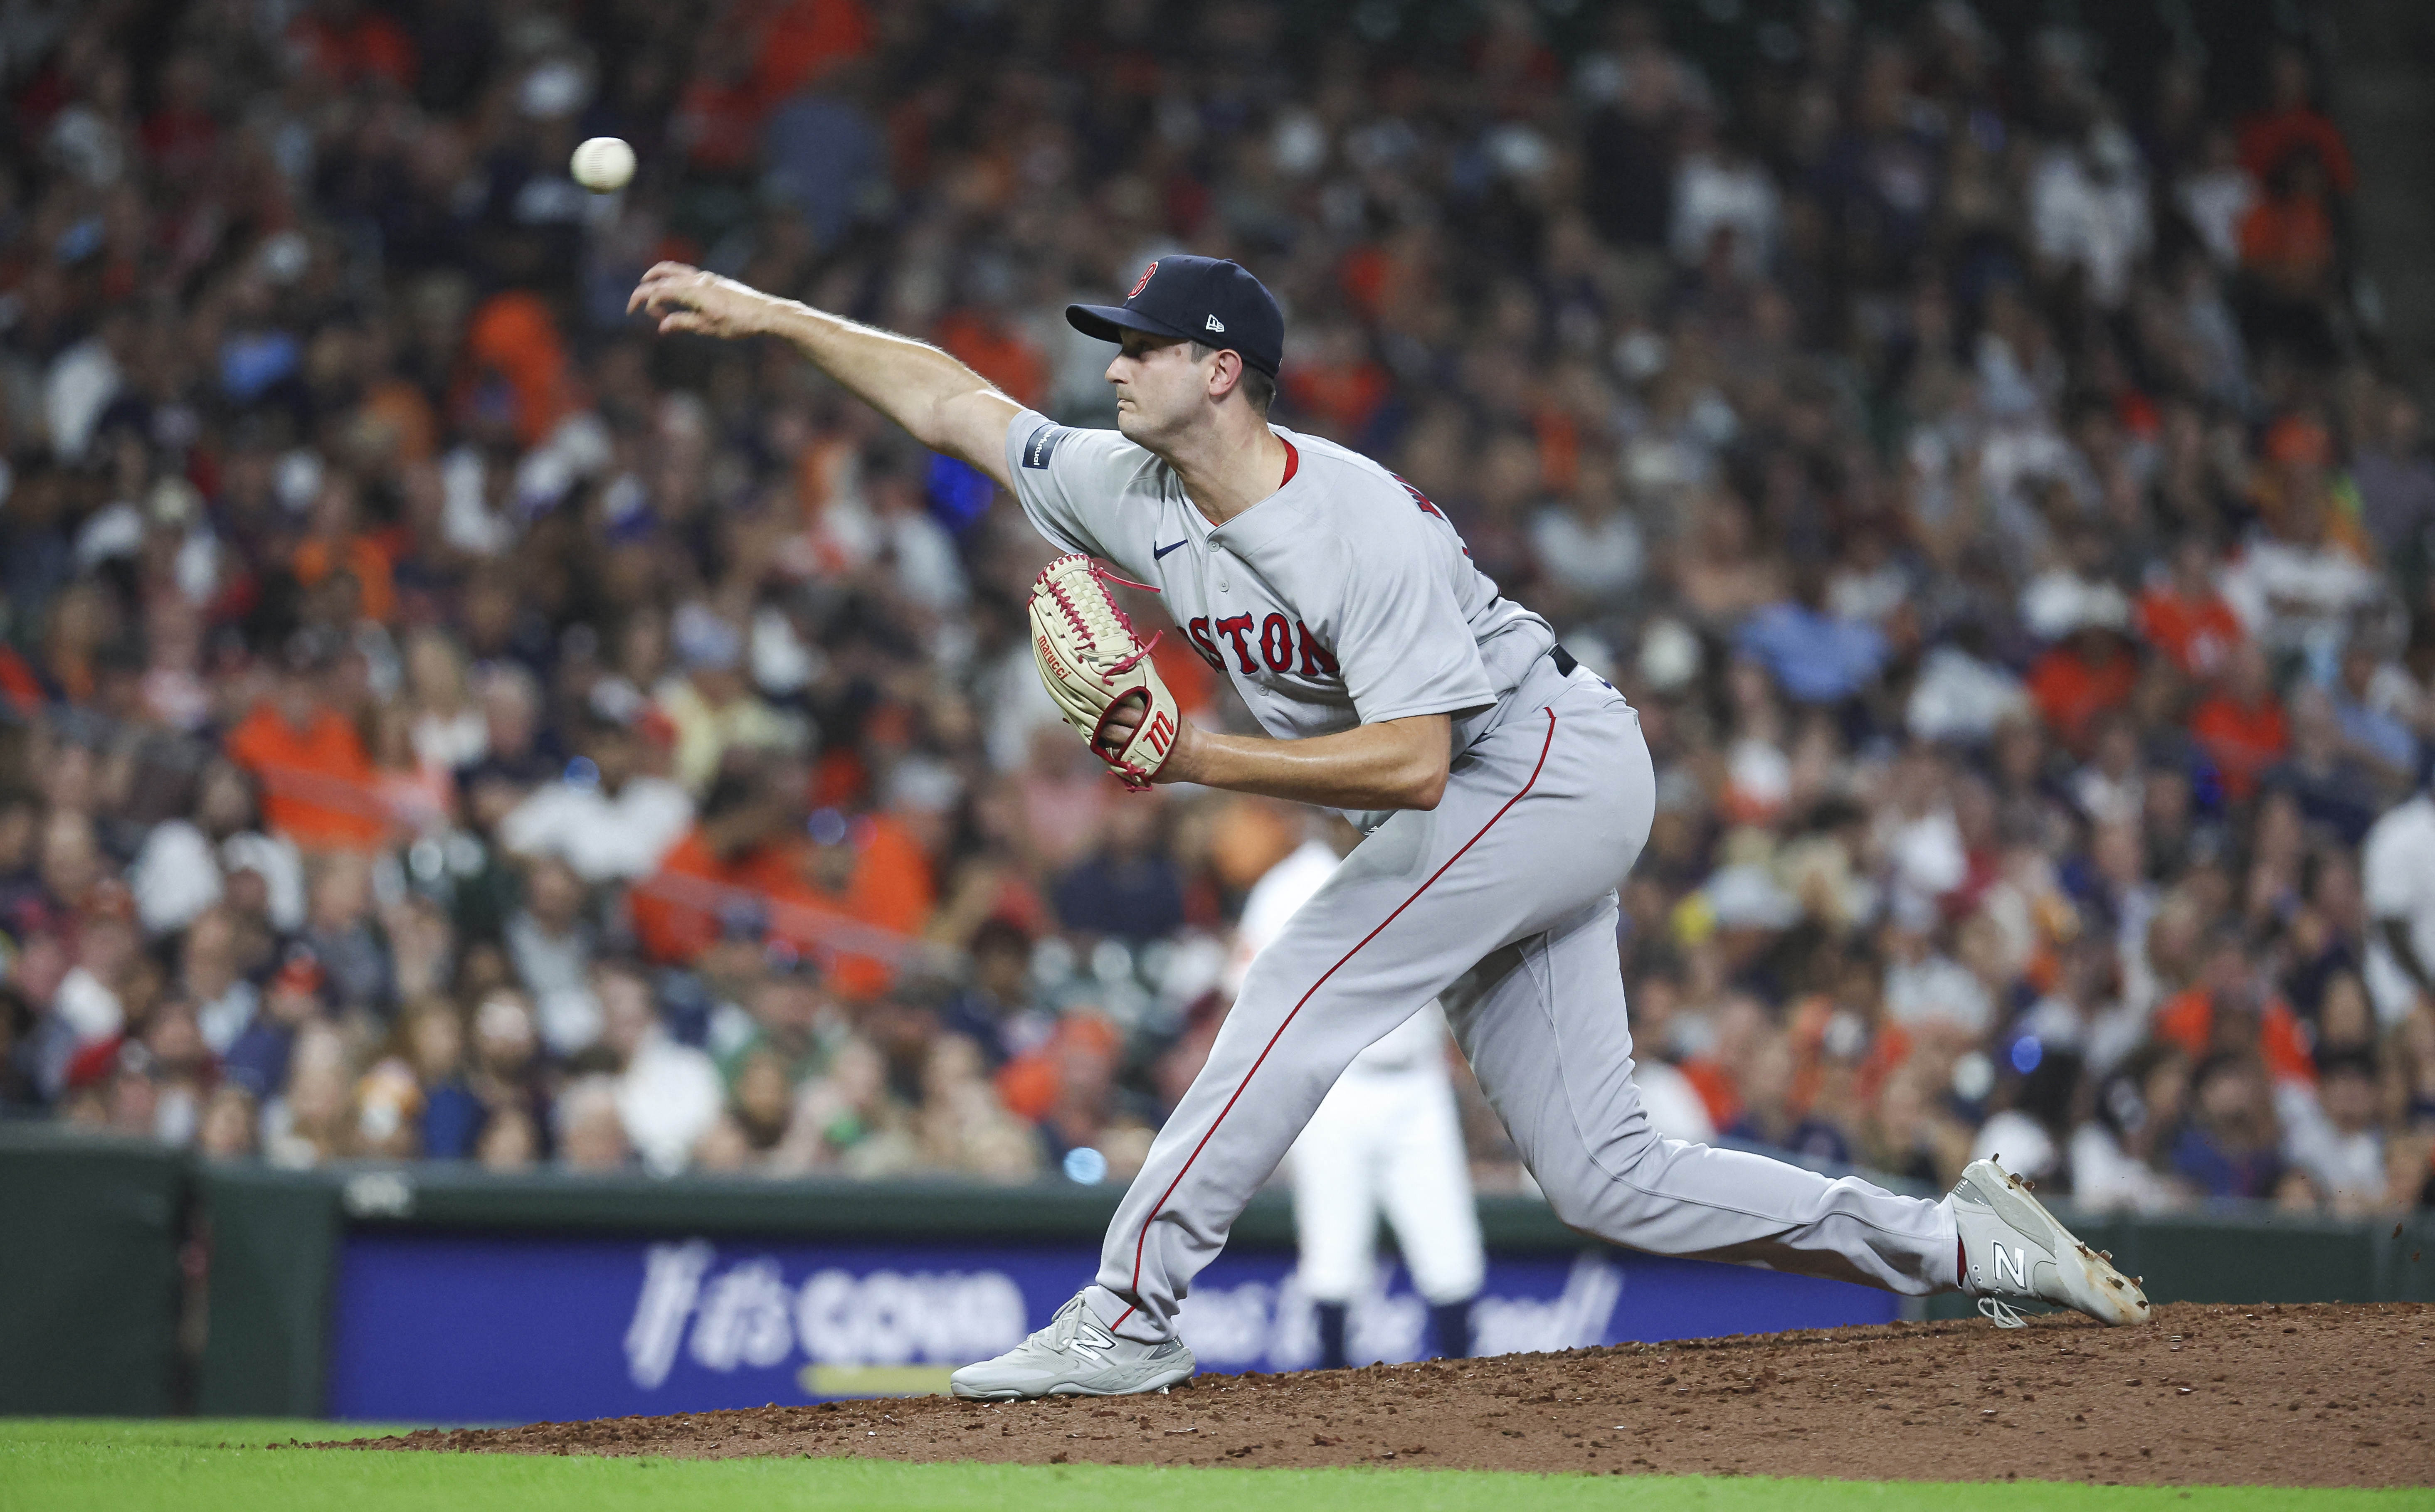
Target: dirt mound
column 2289, row 1395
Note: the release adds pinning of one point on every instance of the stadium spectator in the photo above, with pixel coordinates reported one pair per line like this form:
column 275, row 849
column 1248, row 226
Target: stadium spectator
column 668, row 1094
column 607, row 816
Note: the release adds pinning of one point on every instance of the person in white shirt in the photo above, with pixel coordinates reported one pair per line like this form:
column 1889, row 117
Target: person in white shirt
column 1387, row 1138
column 669, row 1094
column 606, row 817
column 550, row 944
column 185, row 866
column 2216, row 196
column 1925, row 987
column 1719, row 187
column 1589, row 545
column 2398, row 866
column 2333, row 1135
column 2088, row 206
column 2295, row 589
column 2113, row 1152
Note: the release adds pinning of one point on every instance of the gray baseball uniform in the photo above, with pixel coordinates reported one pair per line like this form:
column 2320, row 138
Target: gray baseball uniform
column 1347, row 598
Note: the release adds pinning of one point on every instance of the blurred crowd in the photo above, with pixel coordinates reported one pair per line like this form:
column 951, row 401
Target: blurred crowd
column 439, row 719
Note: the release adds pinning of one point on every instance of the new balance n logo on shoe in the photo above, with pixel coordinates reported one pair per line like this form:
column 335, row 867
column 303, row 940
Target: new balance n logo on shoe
column 1216, row 324
column 1093, row 1340
column 2014, row 1260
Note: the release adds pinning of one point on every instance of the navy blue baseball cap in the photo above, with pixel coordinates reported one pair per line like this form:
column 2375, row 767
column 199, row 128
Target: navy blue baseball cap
column 1206, row 300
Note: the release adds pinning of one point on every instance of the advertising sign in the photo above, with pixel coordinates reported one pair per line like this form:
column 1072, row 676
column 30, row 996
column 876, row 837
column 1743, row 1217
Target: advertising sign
column 441, row 1328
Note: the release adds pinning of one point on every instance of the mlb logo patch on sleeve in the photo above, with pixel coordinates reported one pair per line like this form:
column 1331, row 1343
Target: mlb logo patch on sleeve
column 1037, row 450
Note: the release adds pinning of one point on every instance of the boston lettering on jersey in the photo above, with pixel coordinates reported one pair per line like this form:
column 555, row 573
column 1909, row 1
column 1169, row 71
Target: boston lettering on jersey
column 1343, row 599
column 1280, row 642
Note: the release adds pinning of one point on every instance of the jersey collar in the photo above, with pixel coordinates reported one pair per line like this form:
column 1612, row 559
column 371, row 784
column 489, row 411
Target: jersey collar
column 1234, row 529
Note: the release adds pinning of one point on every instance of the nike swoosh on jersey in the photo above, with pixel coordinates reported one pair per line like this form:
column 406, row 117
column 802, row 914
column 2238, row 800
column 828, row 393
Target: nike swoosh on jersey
column 1162, row 551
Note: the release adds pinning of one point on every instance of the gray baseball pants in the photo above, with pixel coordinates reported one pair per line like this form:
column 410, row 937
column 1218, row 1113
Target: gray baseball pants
column 1502, row 903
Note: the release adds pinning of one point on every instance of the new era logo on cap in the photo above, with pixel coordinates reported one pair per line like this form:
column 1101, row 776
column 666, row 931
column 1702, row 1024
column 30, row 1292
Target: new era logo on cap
column 1188, row 298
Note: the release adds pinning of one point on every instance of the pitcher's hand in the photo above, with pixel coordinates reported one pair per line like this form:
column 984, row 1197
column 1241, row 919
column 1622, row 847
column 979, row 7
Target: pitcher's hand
column 683, row 298
column 1126, row 716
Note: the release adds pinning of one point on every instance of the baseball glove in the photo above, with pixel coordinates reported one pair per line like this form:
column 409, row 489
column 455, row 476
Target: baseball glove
column 1092, row 659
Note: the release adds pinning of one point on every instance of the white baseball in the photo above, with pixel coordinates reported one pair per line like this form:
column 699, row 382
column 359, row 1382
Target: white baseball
column 603, row 165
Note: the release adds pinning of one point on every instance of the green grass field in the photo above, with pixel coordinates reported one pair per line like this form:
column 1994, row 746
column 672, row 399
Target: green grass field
column 54, row 1465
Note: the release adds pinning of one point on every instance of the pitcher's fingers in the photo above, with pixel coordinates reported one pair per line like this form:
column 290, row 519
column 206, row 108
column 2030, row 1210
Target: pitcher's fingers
column 684, row 320
column 665, row 281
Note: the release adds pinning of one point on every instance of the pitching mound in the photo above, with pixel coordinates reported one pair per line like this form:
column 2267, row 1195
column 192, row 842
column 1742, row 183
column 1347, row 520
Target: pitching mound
column 2286, row 1395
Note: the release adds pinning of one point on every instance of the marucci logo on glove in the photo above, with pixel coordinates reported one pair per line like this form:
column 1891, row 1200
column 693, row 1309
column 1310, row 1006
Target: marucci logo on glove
column 1050, row 662
column 1158, row 734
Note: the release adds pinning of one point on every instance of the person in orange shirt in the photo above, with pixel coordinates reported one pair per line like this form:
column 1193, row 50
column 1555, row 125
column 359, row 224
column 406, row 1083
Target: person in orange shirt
column 2294, row 491
column 2287, row 259
column 991, row 346
column 2292, row 124
column 804, row 41
column 2090, row 672
column 335, row 541
column 2240, row 726
column 1337, row 381
column 718, row 877
column 2223, row 1011
column 1063, row 1086
column 2185, row 617
column 315, row 777
column 867, row 871
column 2287, row 239
column 351, row 42
column 513, row 336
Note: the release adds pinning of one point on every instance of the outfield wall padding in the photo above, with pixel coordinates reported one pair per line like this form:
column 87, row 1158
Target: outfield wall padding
column 284, row 1310
column 89, row 1236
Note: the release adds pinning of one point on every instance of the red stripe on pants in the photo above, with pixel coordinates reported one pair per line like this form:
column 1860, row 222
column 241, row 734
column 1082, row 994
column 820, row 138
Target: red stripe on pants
column 1142, row 1241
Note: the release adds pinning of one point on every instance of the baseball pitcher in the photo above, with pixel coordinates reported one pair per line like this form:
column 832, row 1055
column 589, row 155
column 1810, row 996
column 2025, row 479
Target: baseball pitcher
column 1505, row 791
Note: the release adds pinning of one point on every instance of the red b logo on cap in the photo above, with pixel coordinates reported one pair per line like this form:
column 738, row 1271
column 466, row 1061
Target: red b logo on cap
column 1145, row 280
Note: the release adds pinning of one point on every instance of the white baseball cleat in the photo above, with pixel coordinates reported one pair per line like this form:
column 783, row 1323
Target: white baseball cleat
column 1075, row 1357
column 2011, row 1247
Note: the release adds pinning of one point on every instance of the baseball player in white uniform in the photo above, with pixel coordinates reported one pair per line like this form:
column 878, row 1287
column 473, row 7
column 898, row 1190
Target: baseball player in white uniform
column 1505, row 794
column 1386, row 1138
